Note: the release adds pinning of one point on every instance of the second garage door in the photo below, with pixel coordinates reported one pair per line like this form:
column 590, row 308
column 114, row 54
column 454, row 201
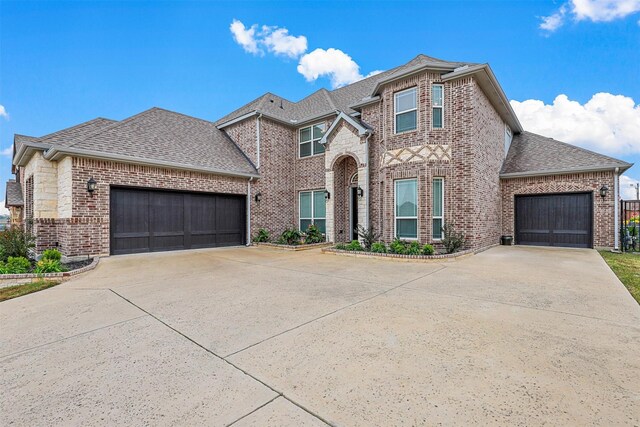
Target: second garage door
column 155, row 220
column 554, row 220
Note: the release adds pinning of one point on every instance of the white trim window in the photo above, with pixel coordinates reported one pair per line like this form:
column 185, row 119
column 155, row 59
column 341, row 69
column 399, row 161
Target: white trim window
column 406, row 209
column 313, row 210
column 437, row 107
column 405, row 110
column 437, row 192
column 309, row 140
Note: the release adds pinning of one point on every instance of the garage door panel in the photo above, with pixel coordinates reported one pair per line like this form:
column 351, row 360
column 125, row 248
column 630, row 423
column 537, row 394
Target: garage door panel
column 156, row 220
column 554, row 220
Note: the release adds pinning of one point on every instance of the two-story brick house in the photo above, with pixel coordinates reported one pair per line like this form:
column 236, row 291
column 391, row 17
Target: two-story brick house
column 405, row 151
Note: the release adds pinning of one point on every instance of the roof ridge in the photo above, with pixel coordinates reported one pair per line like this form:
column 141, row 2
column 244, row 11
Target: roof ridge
column 327, row 94
column 78, row 126
column 112, row 126
column 182, row 114
column 578, row 147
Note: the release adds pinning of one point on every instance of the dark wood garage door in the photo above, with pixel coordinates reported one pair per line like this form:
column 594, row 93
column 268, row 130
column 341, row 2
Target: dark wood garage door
column 155, row 220
column 554, row 220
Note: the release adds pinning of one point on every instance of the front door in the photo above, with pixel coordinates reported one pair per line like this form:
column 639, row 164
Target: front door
column 354, row 213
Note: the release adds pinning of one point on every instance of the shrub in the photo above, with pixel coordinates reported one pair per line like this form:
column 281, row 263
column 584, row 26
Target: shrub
column 46, row 265
column 313, row 235
column 453, row 240
column 379, row 248
column 290, row 236
column 368, row 235
column 341, row 246
column 262, row 236
column 397, row 247
column 413, row 248
column 52, row 254
column 18, row 265
column 354, row 246
column 15, row 242
column 3, row 268
column 428, row 250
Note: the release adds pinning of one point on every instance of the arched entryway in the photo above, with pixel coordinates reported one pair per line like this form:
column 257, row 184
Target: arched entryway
column 345, row 204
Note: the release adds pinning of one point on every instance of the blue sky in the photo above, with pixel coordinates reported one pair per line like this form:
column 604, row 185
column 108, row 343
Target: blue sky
column 62, row 63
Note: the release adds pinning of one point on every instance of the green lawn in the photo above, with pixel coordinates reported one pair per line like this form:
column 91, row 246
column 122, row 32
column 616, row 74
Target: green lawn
column 627, row 268
column 19, row 290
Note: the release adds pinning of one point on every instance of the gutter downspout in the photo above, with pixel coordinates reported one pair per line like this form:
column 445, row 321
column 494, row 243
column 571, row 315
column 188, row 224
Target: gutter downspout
column 366, row 196
column 616, row 225
column 249, row 211
column 258, row 141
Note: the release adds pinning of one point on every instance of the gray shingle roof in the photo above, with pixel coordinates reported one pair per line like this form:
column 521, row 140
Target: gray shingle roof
column 324, row 102
column 13, row 195
column 532, row 154
column 169, row 137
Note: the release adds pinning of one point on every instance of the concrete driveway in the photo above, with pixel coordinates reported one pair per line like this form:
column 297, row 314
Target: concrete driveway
column 261, row 337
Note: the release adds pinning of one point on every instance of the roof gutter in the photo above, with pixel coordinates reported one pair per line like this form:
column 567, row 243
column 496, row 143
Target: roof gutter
column 57, row 153
column 563, row 171
column 25, row 152
column 236, row 120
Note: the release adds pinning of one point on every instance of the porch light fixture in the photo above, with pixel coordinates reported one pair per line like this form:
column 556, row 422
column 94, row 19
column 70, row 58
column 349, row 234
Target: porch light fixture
column 92, row 185
column 360, row 191
column 327, row 195
column 258, row 197
column 603, row 191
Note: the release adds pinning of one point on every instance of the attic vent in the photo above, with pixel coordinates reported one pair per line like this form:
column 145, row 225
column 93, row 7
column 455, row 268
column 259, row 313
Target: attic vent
column 271, row 101
column 464, row 67
column 281, row 105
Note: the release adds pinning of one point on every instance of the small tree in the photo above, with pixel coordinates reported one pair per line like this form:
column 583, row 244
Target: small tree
column 453, row 239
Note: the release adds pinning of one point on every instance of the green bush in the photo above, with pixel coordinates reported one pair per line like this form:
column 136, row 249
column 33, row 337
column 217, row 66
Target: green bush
column 428, row 250
column 354, row 246
column 3, row 268
column 18, row 265
column 453, row 240
column 52, row 254
column 313, row 235
column 290, row 236
column 368, row 236
column 414, row 248
column 48, row 266
column 262, row 236
column 397, row 247
column 15, row 242
column 379, row 248
column 341, row 246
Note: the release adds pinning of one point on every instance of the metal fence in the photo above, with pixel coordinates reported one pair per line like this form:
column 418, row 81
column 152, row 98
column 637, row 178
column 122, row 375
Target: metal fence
column 630, row 225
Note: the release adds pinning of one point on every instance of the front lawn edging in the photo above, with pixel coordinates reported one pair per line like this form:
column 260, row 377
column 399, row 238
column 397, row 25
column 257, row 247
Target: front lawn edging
column 399, row 257
column 19, row 279
column 300, row 247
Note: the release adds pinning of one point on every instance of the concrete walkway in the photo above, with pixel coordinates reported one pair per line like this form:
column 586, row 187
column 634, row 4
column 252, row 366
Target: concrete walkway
column 261, row 337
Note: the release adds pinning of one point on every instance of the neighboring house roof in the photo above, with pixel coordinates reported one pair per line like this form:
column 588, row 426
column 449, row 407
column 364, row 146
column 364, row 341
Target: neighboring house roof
column 13, row 195
column 154, row 137
column 323, row 102
column 531, row 154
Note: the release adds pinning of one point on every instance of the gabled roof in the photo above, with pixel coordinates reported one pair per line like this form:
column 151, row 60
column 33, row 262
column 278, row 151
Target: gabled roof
column 13, row 195
column 154, row 137
column 323, row 102
column 531, row 155
column 357, row 124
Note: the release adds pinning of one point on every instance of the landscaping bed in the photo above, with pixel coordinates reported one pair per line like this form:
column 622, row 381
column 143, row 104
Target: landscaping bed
column 398, row 249
column 9, row 292
column 292, row 239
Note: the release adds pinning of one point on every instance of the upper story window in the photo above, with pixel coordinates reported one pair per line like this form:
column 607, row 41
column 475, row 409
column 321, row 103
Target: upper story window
column 405, row 109
column 437, row 107
column 310, row 137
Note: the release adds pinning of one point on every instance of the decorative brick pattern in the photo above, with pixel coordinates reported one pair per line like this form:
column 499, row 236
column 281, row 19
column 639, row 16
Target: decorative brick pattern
column 419, row 153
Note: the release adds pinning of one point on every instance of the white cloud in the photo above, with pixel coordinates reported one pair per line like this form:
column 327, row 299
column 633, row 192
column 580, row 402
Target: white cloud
column 627, row 187
column 7, row 152
column 3, row 209
column 332, row 63
column 592, row 10
column 606, row 123
column 3, row 112
column 245, row 37
column 278, row 41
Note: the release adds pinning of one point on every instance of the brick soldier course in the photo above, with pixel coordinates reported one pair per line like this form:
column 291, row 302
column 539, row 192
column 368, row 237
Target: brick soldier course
column 481, row 152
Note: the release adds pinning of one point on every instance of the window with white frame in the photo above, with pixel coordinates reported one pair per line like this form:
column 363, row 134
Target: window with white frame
column 437, row 107
column 313, row 210
column 406, row 201
column 405, row 109
column 310, row 137
column 438, row 207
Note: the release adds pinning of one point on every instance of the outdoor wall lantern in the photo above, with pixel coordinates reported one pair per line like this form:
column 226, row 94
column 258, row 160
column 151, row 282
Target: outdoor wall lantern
column 603, row 191
column 327, row 195
column 92, row 185
column 258, row 197
column 360, row 191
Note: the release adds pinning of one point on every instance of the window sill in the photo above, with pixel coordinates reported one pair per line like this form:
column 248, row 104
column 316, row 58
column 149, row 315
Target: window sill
column 311, row 156
column 406, row 132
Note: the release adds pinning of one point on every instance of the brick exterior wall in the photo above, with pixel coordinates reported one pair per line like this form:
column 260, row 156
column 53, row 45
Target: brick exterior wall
column 603, row 209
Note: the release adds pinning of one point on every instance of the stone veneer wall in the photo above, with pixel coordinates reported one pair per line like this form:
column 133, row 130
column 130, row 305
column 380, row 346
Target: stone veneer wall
column 603, row 209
